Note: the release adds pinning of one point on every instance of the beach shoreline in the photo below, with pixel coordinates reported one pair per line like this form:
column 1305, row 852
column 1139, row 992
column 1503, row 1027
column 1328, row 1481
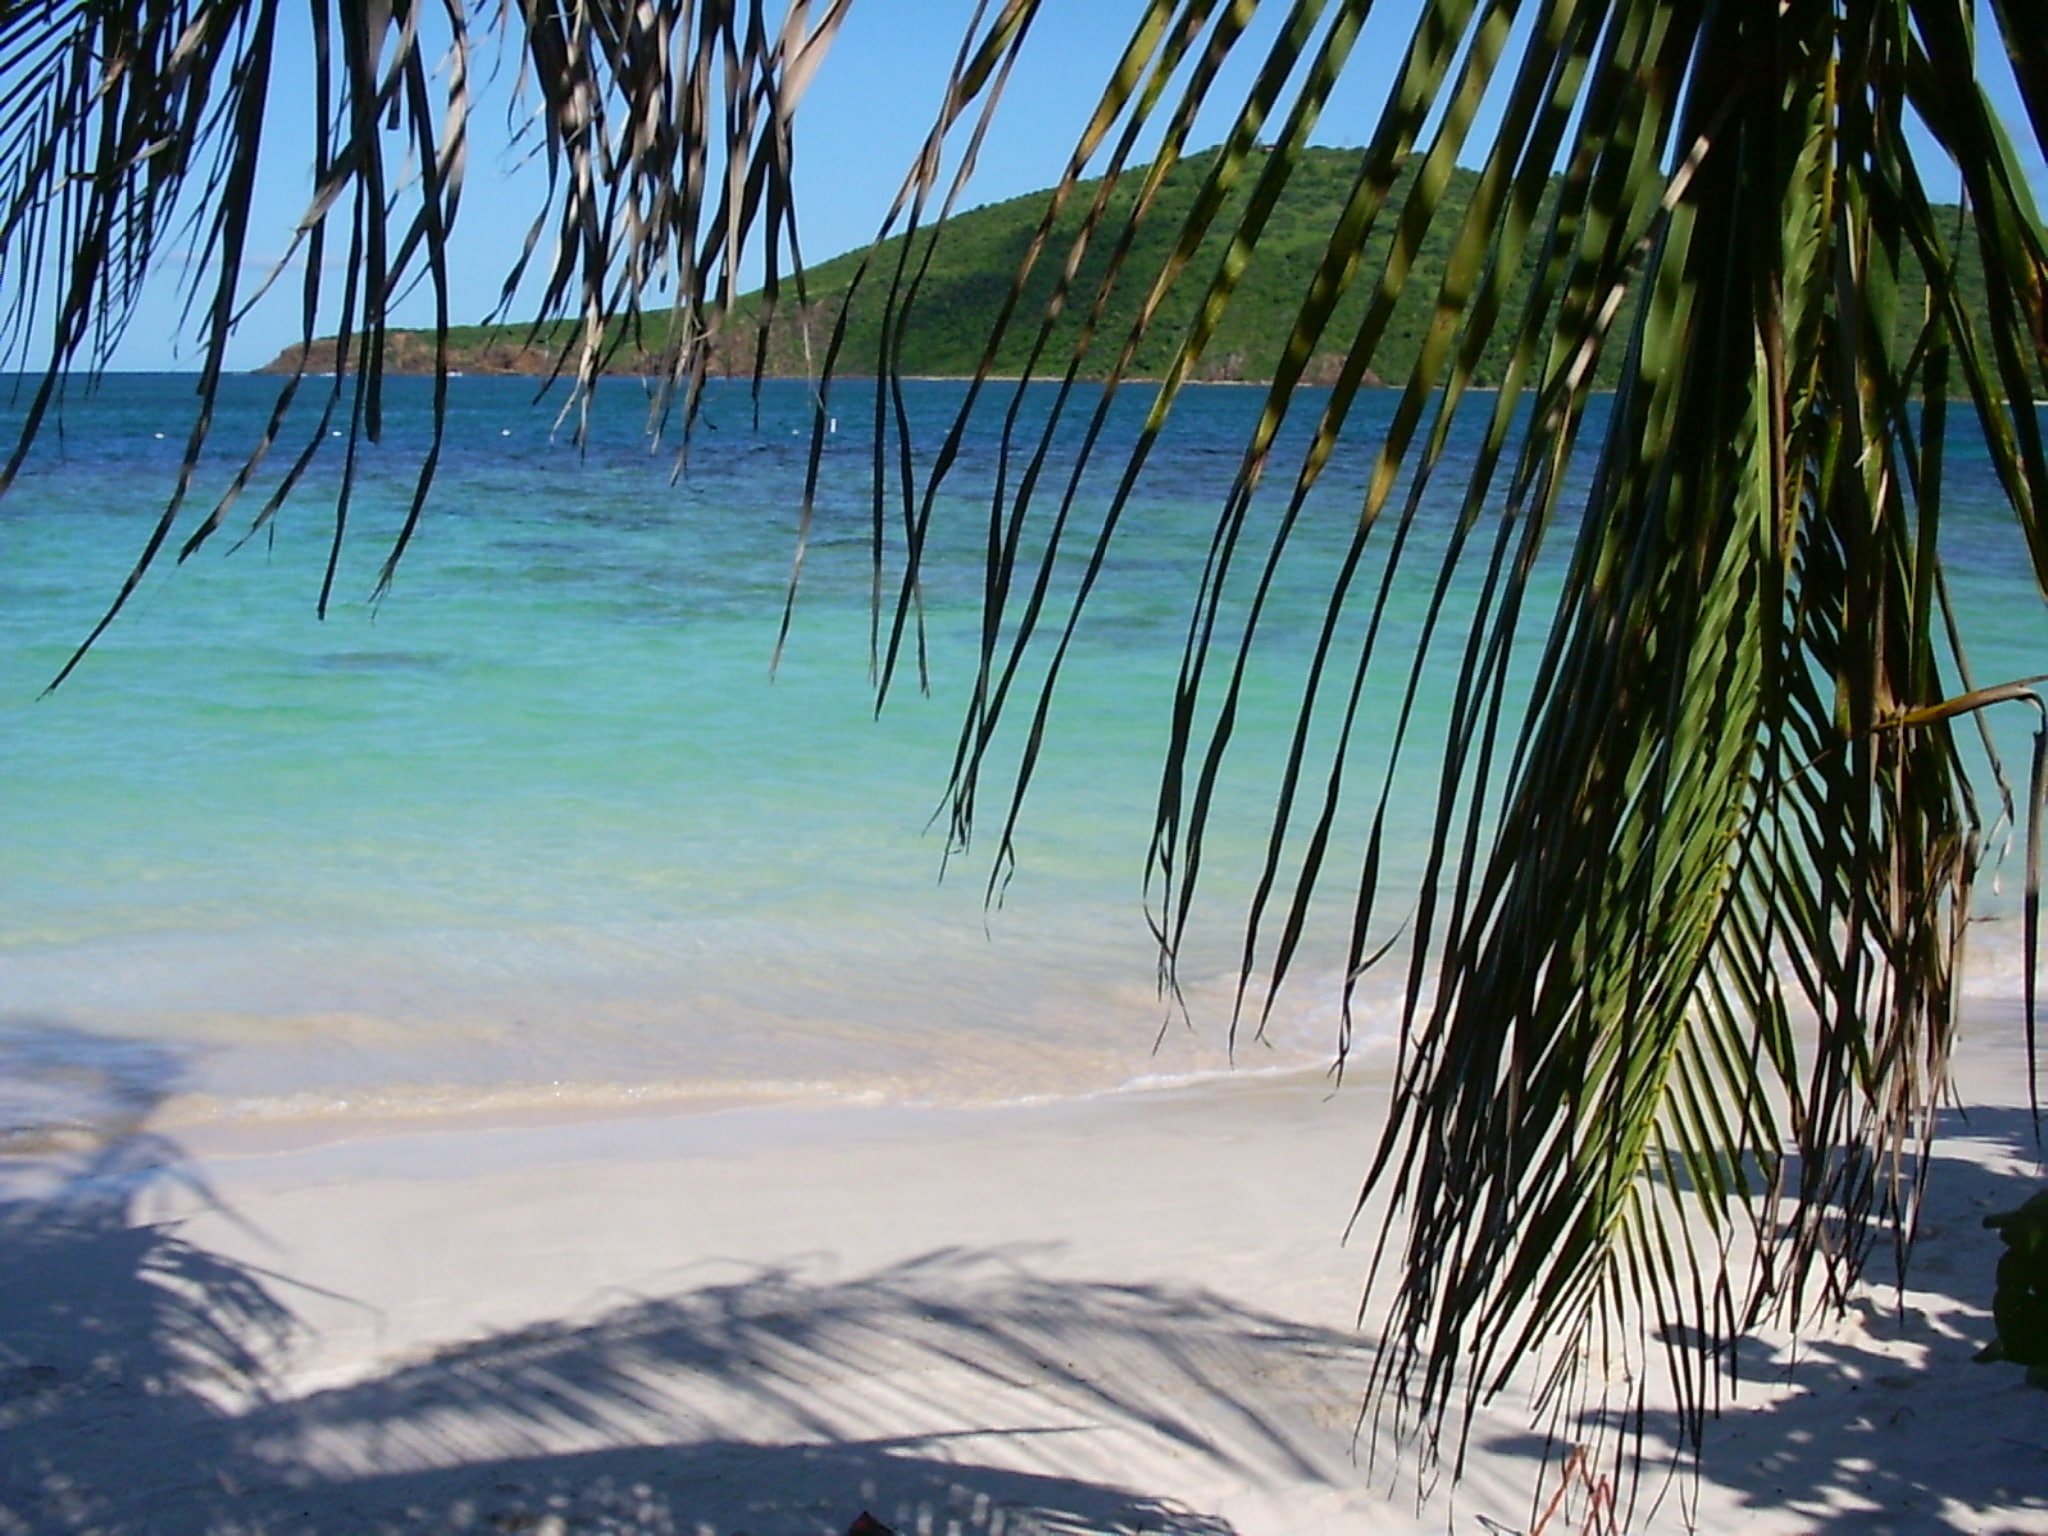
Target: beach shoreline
column 1126, row 1312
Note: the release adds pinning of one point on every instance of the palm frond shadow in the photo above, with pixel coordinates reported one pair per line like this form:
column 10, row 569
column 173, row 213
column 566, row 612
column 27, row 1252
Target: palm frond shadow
column 963, row 1387
column 100, row 1309
column 739, row 1406
column 1862, row 1428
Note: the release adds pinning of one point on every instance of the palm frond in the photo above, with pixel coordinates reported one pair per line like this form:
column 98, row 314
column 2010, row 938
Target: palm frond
column 664, row 128
column 1682, row 965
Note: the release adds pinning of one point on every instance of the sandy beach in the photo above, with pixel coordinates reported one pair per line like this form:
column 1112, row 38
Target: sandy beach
column 1131, row 1313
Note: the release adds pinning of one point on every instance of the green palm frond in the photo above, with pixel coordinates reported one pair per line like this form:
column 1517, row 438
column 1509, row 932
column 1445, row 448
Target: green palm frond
column 1682, row 965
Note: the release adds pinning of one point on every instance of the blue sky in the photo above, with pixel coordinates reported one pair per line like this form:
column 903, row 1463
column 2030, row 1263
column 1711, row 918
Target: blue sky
column 858, row 131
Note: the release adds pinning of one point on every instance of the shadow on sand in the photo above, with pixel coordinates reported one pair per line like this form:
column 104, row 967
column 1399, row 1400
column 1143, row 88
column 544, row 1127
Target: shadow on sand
column 1881, row 1424
column 139, row 1386
column 961, row 1392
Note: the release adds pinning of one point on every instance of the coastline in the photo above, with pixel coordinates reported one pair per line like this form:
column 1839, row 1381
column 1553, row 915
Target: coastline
column 1131, row 1311
column 1071, row 1312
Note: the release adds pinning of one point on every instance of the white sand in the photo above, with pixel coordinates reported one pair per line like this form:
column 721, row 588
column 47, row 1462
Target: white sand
column 1130, row 1314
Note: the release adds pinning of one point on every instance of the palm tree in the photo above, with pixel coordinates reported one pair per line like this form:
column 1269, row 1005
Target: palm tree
column 1681, row 971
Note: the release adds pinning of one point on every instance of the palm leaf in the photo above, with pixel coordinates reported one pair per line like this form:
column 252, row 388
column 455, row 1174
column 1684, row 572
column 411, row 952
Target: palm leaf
column 1682, row 964
column 126, row 124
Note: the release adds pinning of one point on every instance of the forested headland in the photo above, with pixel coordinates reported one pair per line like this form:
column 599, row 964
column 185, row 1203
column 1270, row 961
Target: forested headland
column 970, row 272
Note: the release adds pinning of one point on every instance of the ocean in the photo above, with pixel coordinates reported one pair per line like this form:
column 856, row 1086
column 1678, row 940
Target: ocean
column 539, row 831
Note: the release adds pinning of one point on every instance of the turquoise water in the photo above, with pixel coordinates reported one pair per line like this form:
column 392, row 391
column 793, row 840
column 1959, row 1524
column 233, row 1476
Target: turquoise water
column 538, row 828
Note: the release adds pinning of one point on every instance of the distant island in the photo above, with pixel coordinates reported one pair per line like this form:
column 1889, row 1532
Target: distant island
column 976, row 260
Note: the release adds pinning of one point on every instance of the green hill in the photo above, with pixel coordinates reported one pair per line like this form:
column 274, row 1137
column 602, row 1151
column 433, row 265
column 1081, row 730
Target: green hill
column 977, row 255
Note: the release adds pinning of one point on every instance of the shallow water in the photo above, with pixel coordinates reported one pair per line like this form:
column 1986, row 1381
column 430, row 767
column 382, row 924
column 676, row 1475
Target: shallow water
column 539, row 829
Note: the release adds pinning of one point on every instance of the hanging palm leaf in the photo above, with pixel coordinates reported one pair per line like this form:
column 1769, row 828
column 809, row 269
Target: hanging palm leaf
column 1682, row 964
column 126, row 123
